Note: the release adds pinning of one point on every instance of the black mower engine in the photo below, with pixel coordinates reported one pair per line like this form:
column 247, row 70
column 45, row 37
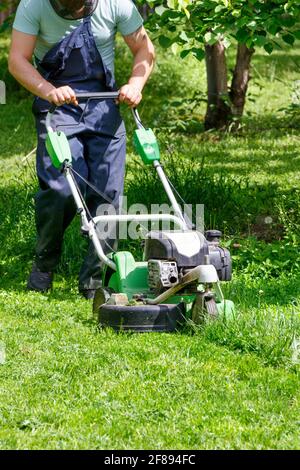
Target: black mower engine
column 170, row 254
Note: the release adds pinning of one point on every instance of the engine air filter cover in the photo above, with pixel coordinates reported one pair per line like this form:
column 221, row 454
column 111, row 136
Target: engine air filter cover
column 188, row 249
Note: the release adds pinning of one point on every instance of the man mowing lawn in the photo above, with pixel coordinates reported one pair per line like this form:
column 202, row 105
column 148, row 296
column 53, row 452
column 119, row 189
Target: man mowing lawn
column 72, row 43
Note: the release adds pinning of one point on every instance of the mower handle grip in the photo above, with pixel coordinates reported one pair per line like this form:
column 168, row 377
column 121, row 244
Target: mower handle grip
column 98, row 95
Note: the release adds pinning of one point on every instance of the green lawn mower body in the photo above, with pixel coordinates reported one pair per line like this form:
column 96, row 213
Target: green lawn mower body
column 179, row 278
column 131, row 279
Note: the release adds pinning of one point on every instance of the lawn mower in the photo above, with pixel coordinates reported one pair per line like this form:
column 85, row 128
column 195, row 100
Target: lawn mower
column 178, row 279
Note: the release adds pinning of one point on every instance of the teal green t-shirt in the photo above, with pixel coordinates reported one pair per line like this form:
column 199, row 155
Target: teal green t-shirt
column 37, row 17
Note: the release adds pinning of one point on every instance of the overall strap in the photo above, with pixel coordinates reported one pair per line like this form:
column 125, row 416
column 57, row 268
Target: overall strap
column 87, row 19
column 87, row 24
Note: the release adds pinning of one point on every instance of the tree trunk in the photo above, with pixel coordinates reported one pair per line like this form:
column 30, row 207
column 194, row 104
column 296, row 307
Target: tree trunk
column 240, row 80
column 145, row 11
column 218, row 112
column 7, row 7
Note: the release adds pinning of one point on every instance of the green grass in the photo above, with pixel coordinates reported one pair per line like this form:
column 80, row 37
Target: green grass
column 228, row 385
column 73, row 387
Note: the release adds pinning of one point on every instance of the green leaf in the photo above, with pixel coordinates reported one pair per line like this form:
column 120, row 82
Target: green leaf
column 210, row 38
column 242, row 35
column 174, row 48
column 164, row 41
column 171, row 4
column 236, row 13
column 259, row 40
column 249, row 43
column 287, row 20
column 288, row 38
column 183, row 36
column 198, row 53
column 226, row 42
column 268, row 47
column 252, row 24
column 185, row 53
column 273, row 28
column 219, row 8
column 170, row 14
column 160, row 10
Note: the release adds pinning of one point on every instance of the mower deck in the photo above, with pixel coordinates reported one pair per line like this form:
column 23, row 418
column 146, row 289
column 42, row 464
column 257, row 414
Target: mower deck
column 131, row 278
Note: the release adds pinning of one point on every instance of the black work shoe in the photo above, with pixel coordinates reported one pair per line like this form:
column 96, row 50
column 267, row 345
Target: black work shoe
column 88, row 294
column 39, row 281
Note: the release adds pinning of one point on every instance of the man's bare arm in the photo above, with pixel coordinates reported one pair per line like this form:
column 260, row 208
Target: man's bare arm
column 20, row 66
column 144, row 56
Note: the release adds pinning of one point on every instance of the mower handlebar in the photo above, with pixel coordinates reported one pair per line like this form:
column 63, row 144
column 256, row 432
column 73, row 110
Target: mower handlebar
column 102, row 95
column 98, row 96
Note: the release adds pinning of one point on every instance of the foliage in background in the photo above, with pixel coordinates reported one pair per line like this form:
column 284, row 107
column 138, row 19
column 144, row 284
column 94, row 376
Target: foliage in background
column 206, row 29
column 7, row 9
column 192, row 24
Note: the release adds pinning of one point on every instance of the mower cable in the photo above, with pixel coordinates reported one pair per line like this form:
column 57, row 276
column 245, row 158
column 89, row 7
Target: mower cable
column 80, row 194
column 96, row 190
column 85, row 205
column 173, row 187
column 175, row 190
column 107, row 199
column 181, row 198
column 100, row 193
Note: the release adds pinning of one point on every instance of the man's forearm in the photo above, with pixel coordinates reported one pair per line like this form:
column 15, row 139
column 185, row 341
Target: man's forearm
column 31, row 79
column 24, row 72
column 142, row 68
column 144, row 56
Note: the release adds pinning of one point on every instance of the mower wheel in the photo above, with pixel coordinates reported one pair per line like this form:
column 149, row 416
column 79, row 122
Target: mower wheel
column 210, row 306
column 101, row 297
column 142, row 318
column 204, row 308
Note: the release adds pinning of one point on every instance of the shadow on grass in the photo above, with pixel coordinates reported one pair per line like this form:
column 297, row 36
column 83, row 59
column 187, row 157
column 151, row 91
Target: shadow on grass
column 231, row 203
column 280, row 61
column 276, row 156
